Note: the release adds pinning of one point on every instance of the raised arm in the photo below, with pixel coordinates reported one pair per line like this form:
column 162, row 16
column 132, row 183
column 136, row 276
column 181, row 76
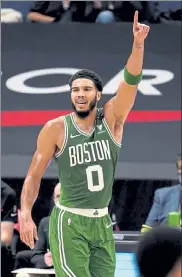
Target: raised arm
column 123, row 102
column 46, row 147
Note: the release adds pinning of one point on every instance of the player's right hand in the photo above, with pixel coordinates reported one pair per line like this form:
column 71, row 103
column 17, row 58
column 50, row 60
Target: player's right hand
column 28, row 229
column 140, row 31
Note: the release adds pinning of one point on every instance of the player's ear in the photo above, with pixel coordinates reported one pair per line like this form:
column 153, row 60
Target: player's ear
column 98, row 96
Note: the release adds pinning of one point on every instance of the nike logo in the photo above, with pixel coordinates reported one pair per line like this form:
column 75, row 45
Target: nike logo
column 13, row 215
column 111, row 224
column 101, row 132
column 74, row 136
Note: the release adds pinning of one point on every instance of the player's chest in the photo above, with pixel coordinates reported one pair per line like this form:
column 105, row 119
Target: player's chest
column 86, row 151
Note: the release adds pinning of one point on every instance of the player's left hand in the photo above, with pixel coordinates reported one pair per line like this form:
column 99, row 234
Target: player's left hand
column 140, row 31
column 48, row 259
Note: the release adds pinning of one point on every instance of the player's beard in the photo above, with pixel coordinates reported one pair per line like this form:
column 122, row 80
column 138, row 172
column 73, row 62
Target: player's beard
column 84, row 114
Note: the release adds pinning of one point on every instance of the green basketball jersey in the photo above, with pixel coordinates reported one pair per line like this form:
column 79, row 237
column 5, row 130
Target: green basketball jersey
column 86, row 165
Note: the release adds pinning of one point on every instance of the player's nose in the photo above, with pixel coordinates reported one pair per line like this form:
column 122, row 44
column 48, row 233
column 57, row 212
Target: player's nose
column 81, row 94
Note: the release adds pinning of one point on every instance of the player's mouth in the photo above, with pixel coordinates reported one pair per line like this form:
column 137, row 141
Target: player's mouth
column 81, row 103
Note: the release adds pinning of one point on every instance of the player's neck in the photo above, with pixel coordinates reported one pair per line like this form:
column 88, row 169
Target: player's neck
column 88, row 121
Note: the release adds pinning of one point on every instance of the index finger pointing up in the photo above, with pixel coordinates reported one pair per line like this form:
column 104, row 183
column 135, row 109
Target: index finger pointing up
column 135, row 21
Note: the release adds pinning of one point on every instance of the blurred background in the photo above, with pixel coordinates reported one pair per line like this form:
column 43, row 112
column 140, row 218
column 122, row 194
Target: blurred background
column 44, row 43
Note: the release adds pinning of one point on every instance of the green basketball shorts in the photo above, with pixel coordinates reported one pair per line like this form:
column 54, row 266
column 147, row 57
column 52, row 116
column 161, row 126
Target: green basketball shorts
column 81, row 246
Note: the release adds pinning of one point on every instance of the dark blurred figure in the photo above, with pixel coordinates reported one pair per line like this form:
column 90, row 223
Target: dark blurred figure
column 77, row 11
column 8, row 218
column 166, row 200
column 159, row 253
column 171, row 10
column 40, row 257
column 124, row 10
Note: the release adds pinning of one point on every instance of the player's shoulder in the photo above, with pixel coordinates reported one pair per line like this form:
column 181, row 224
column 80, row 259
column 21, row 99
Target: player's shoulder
column 54, row 124
column 108, row 111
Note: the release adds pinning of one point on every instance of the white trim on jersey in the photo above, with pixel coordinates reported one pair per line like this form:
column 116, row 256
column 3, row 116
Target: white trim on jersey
column 110, row 134
column 79, row 130
column 65, row 139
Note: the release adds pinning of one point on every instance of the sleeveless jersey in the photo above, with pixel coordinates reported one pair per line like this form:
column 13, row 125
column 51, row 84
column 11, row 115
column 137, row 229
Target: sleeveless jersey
column 86, row 164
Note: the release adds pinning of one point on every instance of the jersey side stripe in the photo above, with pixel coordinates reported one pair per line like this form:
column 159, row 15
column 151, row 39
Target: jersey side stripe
column 61, row 246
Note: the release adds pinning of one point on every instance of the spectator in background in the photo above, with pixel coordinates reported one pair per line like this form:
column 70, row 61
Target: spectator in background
column 101, row 11
column 75, row 11
column 8, row 218
column 159, row 253
column 90, row 11
column 57, row 11
column 48, row 11
column 166, row 200
column 106, row 14
column 112, row 11
column 40, row 257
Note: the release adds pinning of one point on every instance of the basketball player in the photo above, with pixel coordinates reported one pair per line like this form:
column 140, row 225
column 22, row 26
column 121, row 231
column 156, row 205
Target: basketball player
column 86, row 145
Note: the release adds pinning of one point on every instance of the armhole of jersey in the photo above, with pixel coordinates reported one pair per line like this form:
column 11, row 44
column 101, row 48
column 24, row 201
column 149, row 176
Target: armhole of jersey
column 65, row 139
column 110, row 134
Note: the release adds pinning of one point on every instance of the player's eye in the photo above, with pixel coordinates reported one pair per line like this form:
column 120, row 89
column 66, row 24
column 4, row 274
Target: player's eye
column 75, row 90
